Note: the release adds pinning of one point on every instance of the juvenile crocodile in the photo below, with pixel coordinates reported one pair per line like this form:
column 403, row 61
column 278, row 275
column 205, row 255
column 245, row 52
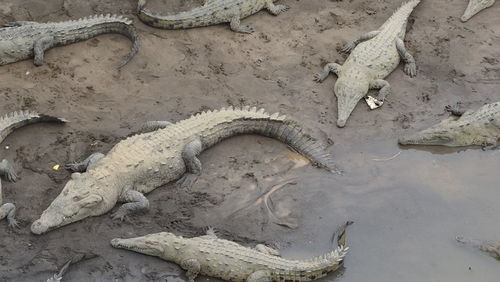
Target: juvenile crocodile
column 141, row 163
column 374, row 56
column 8, row 124
column 213, row 12
column 23, row 40
column 492, row 248
column 211, row 256
column 480, row 127
column 476, row 6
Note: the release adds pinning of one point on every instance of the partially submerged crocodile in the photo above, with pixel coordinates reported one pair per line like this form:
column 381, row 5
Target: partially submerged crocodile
column 8, row 124
column 492, row 248
column 141, row 163
column 23, row 40
column 213, row 12
column 211, row 256
column 476, row 6
column 374, row 56
column 480, row 127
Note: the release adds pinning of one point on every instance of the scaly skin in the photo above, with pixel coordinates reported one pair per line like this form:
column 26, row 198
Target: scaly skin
column 476, row 6
column 480, row 127
column 8, row 124
column 213, row 12
column 143, row 162
column 492, row 248
column 23, row 40
column 211, row 256
column 374, row 56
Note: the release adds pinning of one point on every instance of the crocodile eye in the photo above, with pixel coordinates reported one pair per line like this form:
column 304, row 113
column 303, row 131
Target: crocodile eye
column 77, row 198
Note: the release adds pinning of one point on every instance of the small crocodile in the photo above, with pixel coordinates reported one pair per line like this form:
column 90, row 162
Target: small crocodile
column 492, row 248
column 374, row 56
column 143, row 162
column 214, row 257
column 476, row 6
column 480, row 127
column 213, row 12
column 22, row 40
column 8, row 124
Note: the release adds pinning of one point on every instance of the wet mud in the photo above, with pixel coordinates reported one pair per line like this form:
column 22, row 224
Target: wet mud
column 408, row 203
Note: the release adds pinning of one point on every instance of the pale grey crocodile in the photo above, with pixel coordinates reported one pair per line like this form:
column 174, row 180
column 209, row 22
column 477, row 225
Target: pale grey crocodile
column 8, row 124
column 213, row 12
column 23, row 40
column 373, row 57
column 476, row 6
column 211, row 256
column 141, row 163
column 480, row 127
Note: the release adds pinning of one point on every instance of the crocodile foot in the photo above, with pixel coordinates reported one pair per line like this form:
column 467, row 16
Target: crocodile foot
column 456, row 109
column 187, row 180
column 8, row 171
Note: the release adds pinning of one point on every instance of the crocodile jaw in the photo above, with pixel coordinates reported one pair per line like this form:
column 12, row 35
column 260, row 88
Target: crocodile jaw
column 149, row 245
column 474, row 7
column 348, row 95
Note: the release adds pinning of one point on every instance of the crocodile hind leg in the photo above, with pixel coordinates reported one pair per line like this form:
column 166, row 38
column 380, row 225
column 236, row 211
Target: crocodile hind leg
column 42, row 45
column 367, row 36
column 385, row 89
column 329, row 68
column 193, row 164
column 267, row 250
column 275, row 9
column 136, row 202
column 410, row 66
column 238, row 27
column 154, row 125
column 260, row 276
column 8, row 171
column 85, row 164
column 192, row 267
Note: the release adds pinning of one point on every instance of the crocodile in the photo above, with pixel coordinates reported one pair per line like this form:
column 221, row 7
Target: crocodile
column 373, row 57
column 492, row 248
column 22, row 40
column 143, row 162
column 476, row 6
column 213, row 12
column 480, row 128
column 227, row 260
column 8, row 124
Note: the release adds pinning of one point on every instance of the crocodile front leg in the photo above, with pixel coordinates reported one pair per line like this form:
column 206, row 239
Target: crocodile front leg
column 329, row 68
column 8, row 171
column 154, row 125
column 9, row 210
column 367, row 36
column 85, row 164
column 136, row 202
column 385, row 89
column 238, row 27
column 193, row 164
column 275, row 9
column 259, row 276
column 410, row 66
column 193, row 267
column 42, row 45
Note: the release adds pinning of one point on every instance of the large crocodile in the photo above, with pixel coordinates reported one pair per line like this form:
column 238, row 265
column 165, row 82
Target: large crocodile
column 211, row 256
column 480, row 127
column 476, row 6
column 8, row 124
column 374, row 56
column 213, row 12
column 141, row 163
column 23, row 40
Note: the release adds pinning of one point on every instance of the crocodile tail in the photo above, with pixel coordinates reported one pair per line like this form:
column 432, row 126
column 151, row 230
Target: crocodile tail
column 14, row 120
column 127, row 29
column 401, row 15
column 200, row 16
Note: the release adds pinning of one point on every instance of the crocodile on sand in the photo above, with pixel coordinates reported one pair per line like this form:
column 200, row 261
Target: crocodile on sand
column 476, row 6
column 373, row 57
column 214, row 257
column 141, row 163
column 492, row 248
column 213, row 12
column 8, row 124
column 23, row 39
column 480, row 127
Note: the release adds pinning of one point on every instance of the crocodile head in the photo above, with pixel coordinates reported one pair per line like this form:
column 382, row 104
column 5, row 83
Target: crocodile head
column 77, row 201
column 164, row 245
column 474, row 7
column 348, row 95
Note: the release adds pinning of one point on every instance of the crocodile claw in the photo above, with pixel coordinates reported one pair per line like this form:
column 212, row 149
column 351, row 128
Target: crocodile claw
column 14, row 224
column 8, row 171
column 119, row 215
column 411, row 69
column 319, row 77
column 187, row 180
column 348, row 47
